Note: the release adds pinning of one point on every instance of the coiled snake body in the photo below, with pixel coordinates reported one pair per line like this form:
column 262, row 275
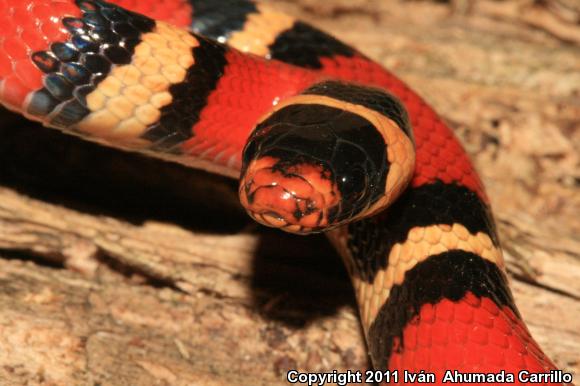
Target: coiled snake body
column 324, row 139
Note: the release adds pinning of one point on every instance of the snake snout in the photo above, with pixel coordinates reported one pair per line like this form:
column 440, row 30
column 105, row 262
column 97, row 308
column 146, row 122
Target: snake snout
column 297, row 198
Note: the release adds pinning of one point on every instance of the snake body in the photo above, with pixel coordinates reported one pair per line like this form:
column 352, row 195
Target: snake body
column 323, row 138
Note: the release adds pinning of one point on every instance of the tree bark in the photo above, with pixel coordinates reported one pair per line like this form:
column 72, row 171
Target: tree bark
column 117, row 269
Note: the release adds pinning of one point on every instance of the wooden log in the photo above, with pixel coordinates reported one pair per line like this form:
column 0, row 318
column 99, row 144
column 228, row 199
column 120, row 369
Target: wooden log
column 121, row 270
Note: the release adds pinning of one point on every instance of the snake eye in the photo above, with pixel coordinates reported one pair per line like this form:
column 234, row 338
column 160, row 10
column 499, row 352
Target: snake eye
column 352, row 182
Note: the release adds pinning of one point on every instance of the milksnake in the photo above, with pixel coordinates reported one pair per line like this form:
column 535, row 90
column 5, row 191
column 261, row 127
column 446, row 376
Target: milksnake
column 322, row 138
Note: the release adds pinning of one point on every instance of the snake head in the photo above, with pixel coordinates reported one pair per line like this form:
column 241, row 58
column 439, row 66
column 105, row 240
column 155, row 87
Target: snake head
column 317, row 162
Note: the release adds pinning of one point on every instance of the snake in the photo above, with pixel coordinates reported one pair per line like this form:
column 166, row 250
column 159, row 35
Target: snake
column 322, row 139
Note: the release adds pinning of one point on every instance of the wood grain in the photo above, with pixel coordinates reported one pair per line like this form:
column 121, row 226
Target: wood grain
column 121, row 270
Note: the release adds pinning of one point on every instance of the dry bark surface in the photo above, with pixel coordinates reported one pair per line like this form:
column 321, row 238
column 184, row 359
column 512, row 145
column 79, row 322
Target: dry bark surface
column 116, row 269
